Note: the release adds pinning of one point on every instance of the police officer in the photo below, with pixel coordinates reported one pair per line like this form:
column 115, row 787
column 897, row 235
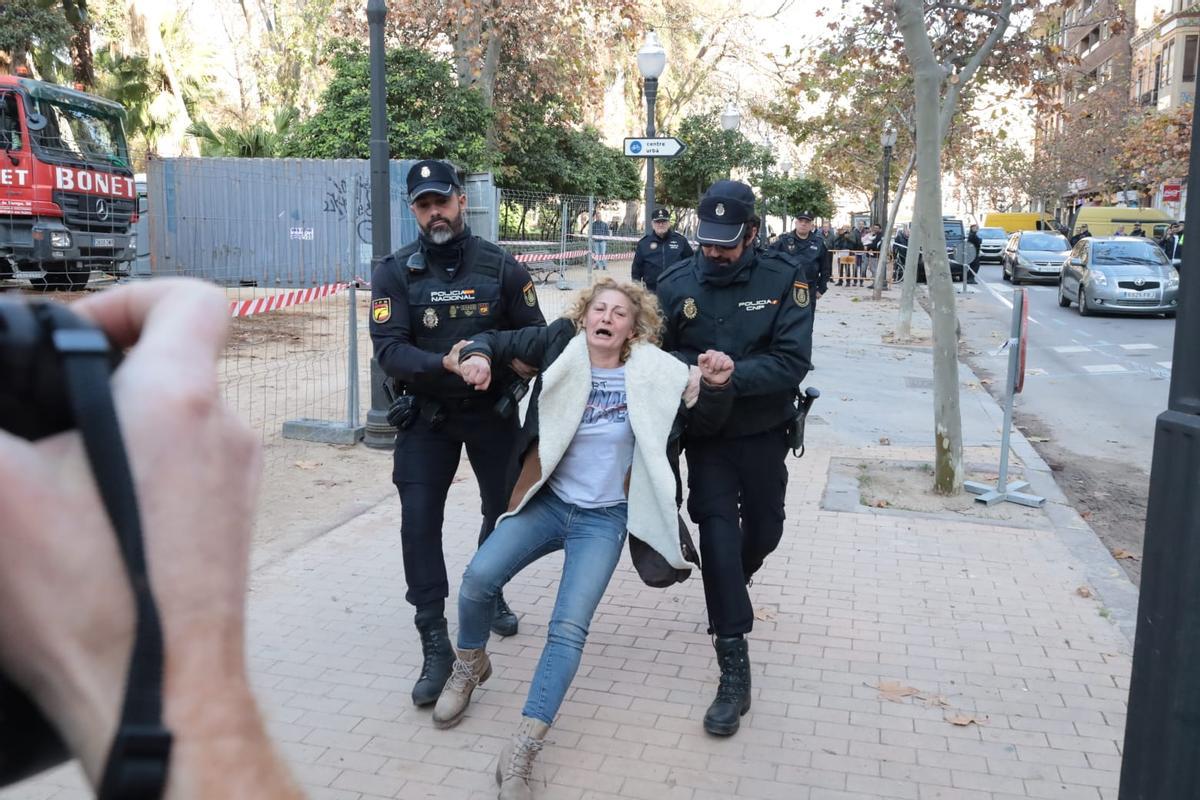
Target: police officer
column 807, row 250
column 659, row 249
column 757, row 308
column 427, row 298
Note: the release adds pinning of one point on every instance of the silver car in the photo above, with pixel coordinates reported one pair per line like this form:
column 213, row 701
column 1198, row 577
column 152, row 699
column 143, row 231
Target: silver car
column 1035, row 256
column 993, row 242
column 1121, row 274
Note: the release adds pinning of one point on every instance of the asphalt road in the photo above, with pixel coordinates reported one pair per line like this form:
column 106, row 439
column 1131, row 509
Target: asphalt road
column 1093, row 388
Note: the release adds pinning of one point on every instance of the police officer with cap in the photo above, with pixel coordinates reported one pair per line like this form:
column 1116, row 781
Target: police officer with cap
column 757, row 308
column 659, row 249
column 427, row 300
column 806, row 249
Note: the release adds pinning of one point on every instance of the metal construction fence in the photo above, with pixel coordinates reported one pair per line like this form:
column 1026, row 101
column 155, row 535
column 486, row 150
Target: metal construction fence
column 289, row 242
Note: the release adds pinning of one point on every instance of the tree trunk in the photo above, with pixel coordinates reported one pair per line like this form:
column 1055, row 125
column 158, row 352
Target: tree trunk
column 886, row 245
column 82, row 63
column 908, row 289
column 948, row 477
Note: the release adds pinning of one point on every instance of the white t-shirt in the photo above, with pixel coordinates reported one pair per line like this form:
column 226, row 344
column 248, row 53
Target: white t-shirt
column 592, row 472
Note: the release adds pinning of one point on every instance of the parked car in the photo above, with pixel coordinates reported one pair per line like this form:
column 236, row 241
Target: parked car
column 993, row 242
column 1034, row 256
column 1121, row 274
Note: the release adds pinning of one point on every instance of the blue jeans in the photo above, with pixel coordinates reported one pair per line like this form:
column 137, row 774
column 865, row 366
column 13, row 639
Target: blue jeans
column 592, row 539
column 599, row 249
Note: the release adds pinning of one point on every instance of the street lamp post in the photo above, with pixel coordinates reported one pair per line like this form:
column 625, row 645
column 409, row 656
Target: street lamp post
column 785, row 166
column 731, row 120
column 888, row 139
column 378, row 432
column 1162, row 730
column 766, row 210
column 651, row 60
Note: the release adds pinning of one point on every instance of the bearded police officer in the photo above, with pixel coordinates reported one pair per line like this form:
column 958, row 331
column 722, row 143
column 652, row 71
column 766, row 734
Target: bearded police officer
column 427, row 299
column 659, row 249
column 757, row 308
column 805, row 249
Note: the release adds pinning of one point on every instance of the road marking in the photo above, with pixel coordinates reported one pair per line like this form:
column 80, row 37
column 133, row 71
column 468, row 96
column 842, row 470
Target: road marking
column 1058, row 322
column 1070, row 348
column 1103, row 369
column 1004, row 299
column 1165, row 364
column 1140, row 346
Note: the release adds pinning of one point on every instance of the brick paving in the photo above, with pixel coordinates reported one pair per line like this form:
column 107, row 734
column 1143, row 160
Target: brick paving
column 875, row 631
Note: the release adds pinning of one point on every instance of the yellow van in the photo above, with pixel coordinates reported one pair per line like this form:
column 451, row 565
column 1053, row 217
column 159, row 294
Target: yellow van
column 1104, row 220
column 1013, row 222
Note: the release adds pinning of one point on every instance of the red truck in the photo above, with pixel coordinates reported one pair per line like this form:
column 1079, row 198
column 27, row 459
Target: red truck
column 68, row 201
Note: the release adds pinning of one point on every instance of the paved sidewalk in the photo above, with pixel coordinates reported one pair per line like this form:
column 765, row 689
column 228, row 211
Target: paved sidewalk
column 878, row 631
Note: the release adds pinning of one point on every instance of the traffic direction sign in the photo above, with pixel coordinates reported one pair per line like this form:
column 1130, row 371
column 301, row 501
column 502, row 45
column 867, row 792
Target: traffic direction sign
column 658, row 147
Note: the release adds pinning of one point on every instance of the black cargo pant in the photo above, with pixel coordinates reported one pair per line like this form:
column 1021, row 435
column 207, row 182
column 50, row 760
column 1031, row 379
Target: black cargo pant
column 736, row 490
column 423, row 469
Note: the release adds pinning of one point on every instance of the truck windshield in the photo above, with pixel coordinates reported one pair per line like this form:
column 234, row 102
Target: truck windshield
column 78, row 134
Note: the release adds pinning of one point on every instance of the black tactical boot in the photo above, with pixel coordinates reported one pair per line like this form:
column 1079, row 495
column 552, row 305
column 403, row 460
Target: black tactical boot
column 733, row 693
column 505, row 621
column 438, row 655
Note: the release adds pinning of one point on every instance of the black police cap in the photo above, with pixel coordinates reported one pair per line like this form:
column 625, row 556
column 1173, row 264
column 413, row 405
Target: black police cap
column 660, row 213
column 432, row 175
column 724, row 211
column 808, row 215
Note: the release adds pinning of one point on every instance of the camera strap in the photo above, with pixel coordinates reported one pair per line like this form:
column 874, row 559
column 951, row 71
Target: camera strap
column 137, row 762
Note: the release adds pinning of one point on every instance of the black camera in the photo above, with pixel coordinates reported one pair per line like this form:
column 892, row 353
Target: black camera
column 54, row 376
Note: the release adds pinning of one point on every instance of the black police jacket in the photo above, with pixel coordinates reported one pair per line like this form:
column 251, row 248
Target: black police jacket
column 425, row 298
column 763, row 320
column 811, row 255
column 653, row 255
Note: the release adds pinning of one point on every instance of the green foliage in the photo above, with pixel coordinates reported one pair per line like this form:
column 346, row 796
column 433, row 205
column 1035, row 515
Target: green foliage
column 429, row 114
column 544, row 155
column 249, row 141
column 36, row 29
column 712, row 154
column 793, row 195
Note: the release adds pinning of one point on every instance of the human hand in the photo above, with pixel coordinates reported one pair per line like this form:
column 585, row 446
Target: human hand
column 715, row 367
column 524, row 371
column 477, row 371
column 450, row 360
column 68, row 625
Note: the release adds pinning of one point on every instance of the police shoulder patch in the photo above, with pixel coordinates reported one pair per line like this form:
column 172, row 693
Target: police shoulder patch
column 800, row 293
column 381, row 309
column 530, row 295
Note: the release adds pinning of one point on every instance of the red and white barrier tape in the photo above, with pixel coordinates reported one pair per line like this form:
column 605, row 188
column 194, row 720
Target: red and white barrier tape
column 261, row 305
column 528, row 258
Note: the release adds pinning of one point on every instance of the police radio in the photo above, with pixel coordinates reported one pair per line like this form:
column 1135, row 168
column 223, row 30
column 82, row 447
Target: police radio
column 54, row 376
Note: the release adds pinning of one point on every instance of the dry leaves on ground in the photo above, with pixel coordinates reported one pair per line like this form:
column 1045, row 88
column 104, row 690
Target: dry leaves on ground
column 1121, row 553
column 764, row 614
column 308, row 464
column 885, row 441
column 1084, row 591
column 963, row 720
column 880, row 504
column 894, row 691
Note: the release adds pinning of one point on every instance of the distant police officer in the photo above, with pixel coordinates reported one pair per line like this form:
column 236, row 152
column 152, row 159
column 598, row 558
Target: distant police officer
column 806, row 249
column 426, row 299
column 659, row 249
column 757, row 308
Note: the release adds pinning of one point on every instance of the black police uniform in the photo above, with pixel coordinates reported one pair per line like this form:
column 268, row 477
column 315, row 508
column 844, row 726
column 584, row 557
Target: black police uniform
column 763, row 320
column 811, row 255
column 654, row 254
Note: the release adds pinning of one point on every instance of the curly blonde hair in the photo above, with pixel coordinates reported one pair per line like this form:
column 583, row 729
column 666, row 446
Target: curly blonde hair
column 647, row 315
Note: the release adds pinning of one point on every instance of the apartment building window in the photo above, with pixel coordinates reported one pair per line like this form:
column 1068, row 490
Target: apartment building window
column 1190, row 46
column 1168, row 63
column 1141, row 81
column 1088, row 43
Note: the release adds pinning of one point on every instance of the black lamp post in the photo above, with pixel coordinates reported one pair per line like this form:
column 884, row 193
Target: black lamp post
column 378, row 432
column 731, row 120
column 651, row 60
column 1162, row 730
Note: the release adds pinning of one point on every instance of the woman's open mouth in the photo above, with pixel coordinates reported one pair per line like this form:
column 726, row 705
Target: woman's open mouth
column 604, row 332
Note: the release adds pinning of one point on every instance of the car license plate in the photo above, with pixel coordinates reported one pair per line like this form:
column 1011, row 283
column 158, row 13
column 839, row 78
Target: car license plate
column 102, row 241
column 1144, row 294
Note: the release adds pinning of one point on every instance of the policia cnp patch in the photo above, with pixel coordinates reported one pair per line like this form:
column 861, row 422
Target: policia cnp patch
column 530, row 294
column 800, row 294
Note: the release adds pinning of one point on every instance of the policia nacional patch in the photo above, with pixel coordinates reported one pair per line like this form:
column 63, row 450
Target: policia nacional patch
column 800, row 293
column 381, row 309
column 530, row 295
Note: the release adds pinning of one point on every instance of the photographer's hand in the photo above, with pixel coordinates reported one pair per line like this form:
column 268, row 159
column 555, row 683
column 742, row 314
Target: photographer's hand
column 67, row 629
